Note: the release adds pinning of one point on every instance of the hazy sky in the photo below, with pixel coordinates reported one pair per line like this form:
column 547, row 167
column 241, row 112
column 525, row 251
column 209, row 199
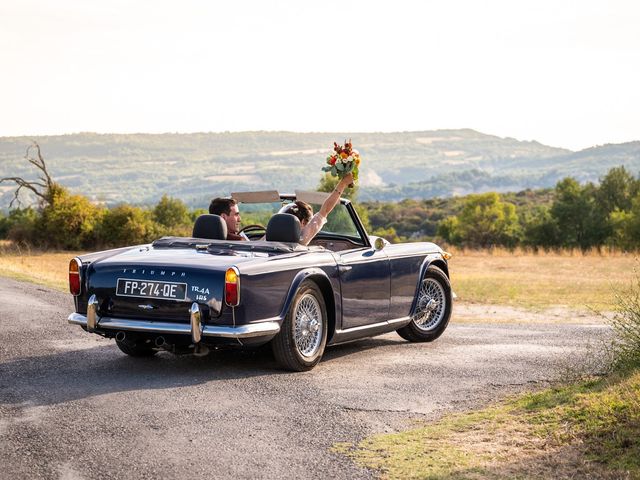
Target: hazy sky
column 565, row 73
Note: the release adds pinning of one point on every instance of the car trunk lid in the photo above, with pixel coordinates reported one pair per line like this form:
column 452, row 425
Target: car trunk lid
column 160, row 283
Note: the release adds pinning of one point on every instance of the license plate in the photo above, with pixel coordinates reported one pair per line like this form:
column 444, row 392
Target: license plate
column 151, row 289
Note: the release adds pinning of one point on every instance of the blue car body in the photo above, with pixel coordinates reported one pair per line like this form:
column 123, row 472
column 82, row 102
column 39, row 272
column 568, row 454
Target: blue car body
column 369, row 287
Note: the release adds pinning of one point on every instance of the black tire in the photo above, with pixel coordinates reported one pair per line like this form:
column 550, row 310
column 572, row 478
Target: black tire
column 291, row 354
column 430, row 319
column 136, row 350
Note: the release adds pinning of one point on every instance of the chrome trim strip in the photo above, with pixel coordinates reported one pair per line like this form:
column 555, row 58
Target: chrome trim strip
column 92, row 313
column 399, row 320
column 242, row 331
column 376, row 325
column 196, row 323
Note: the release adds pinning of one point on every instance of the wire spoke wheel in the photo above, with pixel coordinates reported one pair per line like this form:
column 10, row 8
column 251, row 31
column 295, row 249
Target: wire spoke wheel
column 303, row 335
column 308, row 329
column 431, row 305
column 432, row 308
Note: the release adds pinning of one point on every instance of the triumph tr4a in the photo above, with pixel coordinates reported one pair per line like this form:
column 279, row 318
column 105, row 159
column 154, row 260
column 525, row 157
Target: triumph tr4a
column 191, row 294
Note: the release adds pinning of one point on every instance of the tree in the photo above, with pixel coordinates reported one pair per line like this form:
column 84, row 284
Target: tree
column 626, row 226
column 172, row 213
column 617, row 190
column 579, row 220
column 541, row 229
column 485, row 221
column 42, row 188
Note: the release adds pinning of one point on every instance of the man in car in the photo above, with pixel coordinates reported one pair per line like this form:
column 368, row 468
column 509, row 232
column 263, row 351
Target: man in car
column 227, row 208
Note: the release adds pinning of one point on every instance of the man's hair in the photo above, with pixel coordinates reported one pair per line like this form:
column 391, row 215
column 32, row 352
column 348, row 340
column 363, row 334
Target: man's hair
column 300, row 209
column 218, row 206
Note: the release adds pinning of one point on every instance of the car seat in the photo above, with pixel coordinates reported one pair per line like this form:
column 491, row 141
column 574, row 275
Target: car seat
column 283, row 227
column 210, row 226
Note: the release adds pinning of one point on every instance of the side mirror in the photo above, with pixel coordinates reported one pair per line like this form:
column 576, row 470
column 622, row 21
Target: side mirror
column 379, row 243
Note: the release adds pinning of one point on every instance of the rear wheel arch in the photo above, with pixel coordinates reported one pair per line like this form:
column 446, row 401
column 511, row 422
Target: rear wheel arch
column 320, row 278
column 300, row 343
column 327, row 292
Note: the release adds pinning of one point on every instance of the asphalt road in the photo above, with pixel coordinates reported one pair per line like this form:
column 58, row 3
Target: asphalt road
column 73, row 406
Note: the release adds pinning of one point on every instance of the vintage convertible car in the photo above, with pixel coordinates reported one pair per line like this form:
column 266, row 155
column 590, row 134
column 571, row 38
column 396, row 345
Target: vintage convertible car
column 187, row 295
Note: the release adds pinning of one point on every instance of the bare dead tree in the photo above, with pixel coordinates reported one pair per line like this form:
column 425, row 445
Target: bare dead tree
column 41, row 187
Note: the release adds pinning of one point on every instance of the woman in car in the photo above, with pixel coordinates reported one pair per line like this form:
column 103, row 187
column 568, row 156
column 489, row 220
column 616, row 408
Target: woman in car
column 312, row 224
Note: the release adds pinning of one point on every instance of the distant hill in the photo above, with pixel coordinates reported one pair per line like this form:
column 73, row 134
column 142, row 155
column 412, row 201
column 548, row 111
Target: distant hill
column 139, row 168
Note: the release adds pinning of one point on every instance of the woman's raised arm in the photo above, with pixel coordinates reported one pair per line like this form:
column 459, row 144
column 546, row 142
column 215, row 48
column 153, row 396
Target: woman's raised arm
column 333, row 199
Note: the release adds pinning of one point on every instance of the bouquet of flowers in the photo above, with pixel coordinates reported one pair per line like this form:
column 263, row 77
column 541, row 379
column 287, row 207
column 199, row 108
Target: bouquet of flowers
column 343, row 160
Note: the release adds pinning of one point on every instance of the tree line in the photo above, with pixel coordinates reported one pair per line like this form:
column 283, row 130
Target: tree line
column 72, row 222
column 571, row 215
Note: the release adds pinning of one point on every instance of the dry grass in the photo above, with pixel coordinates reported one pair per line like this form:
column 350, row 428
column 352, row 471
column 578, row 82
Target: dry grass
column 569, row 280
column 42, row 267
column 566, row 279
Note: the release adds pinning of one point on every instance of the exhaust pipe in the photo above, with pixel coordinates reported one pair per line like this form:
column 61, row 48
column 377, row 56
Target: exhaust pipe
column 160, row 341
column 120, row 336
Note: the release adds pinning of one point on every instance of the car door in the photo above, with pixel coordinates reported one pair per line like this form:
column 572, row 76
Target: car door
column 365, row 286
column 364, row 272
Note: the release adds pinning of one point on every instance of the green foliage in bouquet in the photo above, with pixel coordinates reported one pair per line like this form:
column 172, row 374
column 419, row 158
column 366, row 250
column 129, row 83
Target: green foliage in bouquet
column 343, row 161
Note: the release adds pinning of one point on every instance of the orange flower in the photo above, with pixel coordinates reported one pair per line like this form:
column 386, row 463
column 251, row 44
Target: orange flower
column 343, row 155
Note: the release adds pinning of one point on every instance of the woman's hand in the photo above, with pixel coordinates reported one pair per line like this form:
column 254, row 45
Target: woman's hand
column 345, row 182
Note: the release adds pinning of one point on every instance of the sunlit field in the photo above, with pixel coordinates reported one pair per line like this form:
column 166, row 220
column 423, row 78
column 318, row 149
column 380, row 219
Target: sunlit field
column 44, row 268
column 568, row 279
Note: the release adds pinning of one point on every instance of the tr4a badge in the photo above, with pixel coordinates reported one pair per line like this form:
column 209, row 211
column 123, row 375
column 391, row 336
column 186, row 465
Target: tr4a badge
column 200, row 293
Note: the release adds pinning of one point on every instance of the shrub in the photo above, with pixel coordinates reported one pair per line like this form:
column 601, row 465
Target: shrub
column 626, row 326
column 20, row 226
column 126, row 225
column 68, row 221
column 388, row 234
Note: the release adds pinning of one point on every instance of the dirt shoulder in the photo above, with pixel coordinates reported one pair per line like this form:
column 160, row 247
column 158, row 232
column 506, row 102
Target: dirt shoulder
column 468, row 312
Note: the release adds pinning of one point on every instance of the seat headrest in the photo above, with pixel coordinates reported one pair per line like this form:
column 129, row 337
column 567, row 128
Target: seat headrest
column 210, row 226
column 283, row 227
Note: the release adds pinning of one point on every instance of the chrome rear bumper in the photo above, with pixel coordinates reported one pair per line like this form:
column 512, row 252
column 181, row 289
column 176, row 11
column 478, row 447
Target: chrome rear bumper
column 262, row 329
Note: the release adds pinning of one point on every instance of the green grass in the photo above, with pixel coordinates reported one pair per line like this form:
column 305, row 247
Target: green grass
column 587, row 429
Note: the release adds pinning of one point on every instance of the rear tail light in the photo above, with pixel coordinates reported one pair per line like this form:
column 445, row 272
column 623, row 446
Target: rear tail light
column 232, row 287
column 74, row 276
